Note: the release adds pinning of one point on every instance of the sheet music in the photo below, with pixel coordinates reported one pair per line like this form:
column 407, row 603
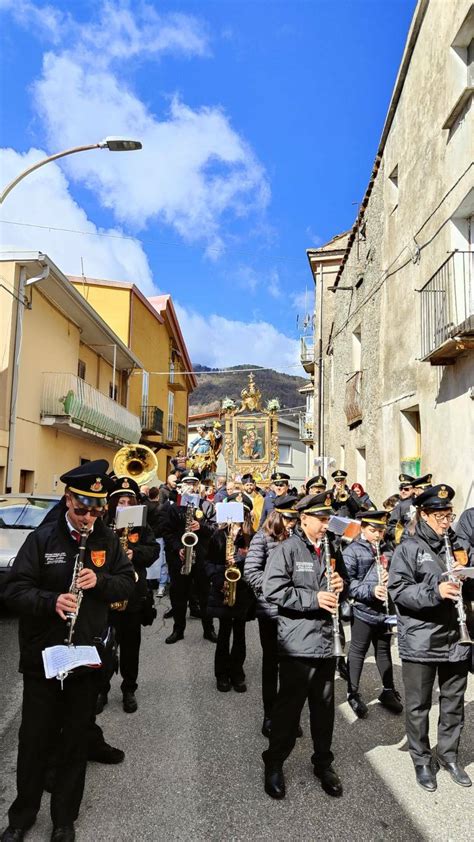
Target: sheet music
column 63, row 659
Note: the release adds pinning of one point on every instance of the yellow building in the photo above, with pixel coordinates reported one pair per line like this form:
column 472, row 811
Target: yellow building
column 159, row 392
column 65, row 379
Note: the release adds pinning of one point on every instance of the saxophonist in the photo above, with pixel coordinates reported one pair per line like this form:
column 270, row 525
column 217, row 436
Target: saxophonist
column 38, row 589
column 430, row 637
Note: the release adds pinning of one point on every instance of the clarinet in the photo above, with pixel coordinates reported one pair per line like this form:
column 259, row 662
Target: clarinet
column 386, row 607
column 450, row 565
column 338, row 649
column 78, row 566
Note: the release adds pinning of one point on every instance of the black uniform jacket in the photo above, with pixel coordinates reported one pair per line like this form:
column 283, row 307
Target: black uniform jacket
column 359, row 558
column 428, row 628
column 173, row 522
column 401, row 513
column 349, row 507
column 43, row 569
column 261, row 546
column 293, row 576
column 145, row 552
column 215, row 568
column 465, row 530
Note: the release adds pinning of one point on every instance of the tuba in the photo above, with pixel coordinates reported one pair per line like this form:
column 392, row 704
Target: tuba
column 136, row 461
column 232, row 573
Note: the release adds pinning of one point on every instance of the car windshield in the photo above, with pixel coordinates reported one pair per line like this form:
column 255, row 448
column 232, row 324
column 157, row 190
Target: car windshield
column 24, row 512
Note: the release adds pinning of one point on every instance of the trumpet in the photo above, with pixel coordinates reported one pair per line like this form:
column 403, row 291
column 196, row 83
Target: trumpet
column 341, row 496
column 338, row 649
column 232, row 573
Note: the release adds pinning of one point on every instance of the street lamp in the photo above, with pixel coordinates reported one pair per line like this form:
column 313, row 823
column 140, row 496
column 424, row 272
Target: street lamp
column 113, row 144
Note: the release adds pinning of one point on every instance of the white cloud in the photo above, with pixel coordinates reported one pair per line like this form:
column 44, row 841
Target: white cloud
column 219, row 342
column 43, row 199
column 303, row 301
column 273, row 287
column 45, row 20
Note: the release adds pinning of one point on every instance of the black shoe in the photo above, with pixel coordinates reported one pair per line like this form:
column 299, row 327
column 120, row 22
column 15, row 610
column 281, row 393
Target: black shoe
column 174, row 637
column 106, row 754
column 129, row 702
column 13, row 834
column 210, row 635
column 458, row 774
column 275, row 782
column 168, row 614
column 63, row 834
column 330, row 781
column 267, row 726
column 223, row 685
column 425, row 777
column 358, row 706
column 101, row 702
column 390, row 699
column 341, row 669
column 239, row 686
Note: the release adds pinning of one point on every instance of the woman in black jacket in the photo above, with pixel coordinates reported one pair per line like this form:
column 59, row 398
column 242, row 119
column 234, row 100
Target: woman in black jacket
column 277, row 527
column 229, row 662
column 370, row 619
column 429, row 638
column 142, row 550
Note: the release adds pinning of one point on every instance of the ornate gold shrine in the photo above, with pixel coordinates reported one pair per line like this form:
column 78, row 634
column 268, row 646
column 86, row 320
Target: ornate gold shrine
column 251, row 434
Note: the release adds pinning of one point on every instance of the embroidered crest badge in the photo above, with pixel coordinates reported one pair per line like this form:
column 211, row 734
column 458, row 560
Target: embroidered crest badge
column 443, row 492
column 98, row 557
column 97, row 485
column 133, row 538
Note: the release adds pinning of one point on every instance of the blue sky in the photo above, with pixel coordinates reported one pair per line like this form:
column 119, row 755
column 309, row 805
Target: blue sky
column 259, row 120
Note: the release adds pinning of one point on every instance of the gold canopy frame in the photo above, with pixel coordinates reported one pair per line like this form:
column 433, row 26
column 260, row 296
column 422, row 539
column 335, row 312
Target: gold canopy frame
column 251, row 434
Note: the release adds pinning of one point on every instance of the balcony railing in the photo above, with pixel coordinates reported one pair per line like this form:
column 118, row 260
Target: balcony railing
column 307, row 353
column 447, row 310
column 68, row 400
column 152, row 419
column 306, row 426
column 175, row 433
column 353, row 398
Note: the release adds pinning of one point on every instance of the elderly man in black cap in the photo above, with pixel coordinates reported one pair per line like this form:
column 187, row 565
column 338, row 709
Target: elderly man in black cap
column 296, row 580
column 39, row 589
column 279, row 488
column 431, row 641
column 316, row 484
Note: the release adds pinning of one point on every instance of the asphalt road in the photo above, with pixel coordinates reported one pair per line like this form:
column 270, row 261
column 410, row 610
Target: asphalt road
column 193, row 771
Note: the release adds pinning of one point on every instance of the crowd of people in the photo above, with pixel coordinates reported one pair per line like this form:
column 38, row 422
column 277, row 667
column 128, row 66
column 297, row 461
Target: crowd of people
column 404, row 567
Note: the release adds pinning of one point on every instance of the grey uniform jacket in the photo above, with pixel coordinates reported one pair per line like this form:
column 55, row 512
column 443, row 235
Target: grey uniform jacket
column 261, row 546
column 291, row 581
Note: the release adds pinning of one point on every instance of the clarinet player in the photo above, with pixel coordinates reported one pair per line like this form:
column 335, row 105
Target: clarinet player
column 432, row 641
column 38, row 589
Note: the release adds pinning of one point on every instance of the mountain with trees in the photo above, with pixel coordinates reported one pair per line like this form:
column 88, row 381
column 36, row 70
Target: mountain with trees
column 215, row 384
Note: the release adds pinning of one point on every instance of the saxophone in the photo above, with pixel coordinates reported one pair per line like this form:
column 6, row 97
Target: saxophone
column 189, row 540
column 459, row 603
column 78, row 566
column 121, row 604
column 338, row 649
column 232, row 573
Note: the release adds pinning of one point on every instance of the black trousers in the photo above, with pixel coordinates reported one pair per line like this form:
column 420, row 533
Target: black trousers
column 184, row 589
column 128, row 630
column 47, row 713
column 229, row 661
column 268, row 630
column 362, row 635
column 419, row 680
column 301, row 679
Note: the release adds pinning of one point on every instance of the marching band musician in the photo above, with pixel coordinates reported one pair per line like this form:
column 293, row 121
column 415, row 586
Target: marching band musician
column 403, row 513
column 368, row 589
column 277, row 527
column 295, row 580
column 229, row 660
column 345, row 502
column 142, row 550
column 38, row 589
column 279, row 488
column 250, row 487
column 173, row 520
column 316, row 484
column 430, row 636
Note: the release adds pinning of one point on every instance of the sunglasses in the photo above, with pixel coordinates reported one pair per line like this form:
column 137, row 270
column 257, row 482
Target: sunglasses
column 81, row 512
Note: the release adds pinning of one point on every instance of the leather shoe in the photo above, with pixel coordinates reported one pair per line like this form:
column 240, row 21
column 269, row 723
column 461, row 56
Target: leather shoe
column 13, row 834
column 458, row 774
column 129, row 703
column 358, row 706
column 101, row 702
column 341, row 669
column 239, row 686
column 425, row 777
column 174, row 637
column 210, row 635
column 267, row 726
column 275, row 782
column 106, row 754
column 330, row 781
column 168, row 614
column 390, row 699
column 63, row 834
column 223, row 684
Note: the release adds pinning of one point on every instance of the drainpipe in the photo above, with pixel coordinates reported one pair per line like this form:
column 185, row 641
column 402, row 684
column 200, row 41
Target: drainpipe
column 16, row 366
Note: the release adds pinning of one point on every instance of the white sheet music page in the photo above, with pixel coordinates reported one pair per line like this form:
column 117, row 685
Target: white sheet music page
column 62, row 659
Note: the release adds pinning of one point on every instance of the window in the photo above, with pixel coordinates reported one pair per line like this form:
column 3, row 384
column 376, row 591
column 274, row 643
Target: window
column 145, row 385
column 410, row 441
column 284, row 454
column 27, row 482
column 81, row 369
column 357, row 349
column 461, row 71
column 172, row 371
column 113, row 391
column 393, row 186
column 170, row 415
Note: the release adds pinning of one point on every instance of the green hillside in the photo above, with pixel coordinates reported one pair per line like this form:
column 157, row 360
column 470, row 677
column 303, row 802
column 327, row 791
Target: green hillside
column 212, row 388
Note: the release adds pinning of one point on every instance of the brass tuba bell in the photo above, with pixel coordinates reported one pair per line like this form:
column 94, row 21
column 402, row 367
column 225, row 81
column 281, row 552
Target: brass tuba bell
column 136, row 461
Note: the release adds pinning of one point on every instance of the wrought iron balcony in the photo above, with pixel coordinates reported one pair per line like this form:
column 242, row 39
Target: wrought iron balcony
column 175, row 433
column 307, row 354
column 353, row 398
column 306, row 426
column 447, row 310
column 68, row 402
column 152, row 419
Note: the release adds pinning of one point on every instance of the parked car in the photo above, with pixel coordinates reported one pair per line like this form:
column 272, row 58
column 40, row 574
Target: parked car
column 19, row 515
